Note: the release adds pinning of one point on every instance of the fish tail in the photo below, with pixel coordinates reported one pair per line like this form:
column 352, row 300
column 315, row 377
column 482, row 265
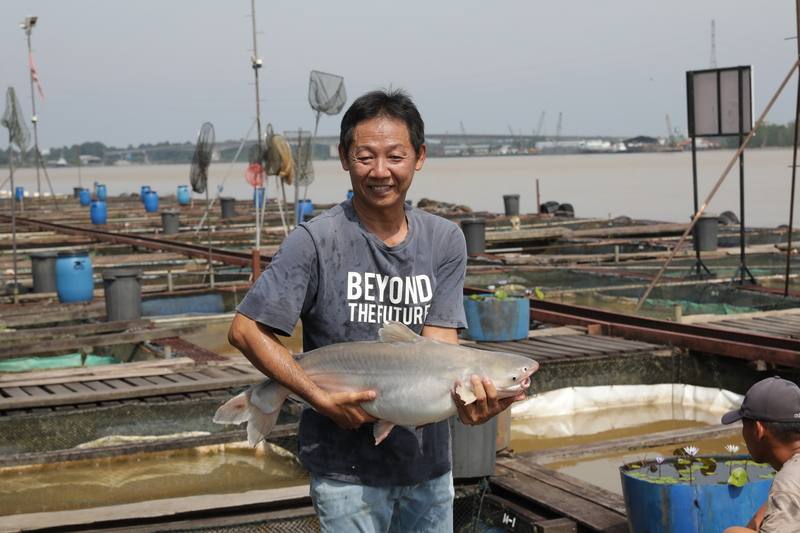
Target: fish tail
column 260, row 406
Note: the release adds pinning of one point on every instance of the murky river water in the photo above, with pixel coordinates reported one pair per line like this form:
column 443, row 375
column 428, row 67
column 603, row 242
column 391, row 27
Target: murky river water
column 656, row 186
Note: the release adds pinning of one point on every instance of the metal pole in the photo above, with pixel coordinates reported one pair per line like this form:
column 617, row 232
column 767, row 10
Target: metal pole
column 696, row 203
column 538, row 199
column 34, row 118
column 794, row 165
column 13, row 215
column 256, row 62
column 742, row 263
column 717, row 185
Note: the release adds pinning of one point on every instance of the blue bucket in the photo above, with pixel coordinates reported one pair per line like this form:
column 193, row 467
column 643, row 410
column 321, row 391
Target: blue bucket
column 101, row 192
column 259, row 195
column 19, row 193
column 304, row 208
column 151, row 201
column 705, row 505
column 85, row 197
column 74, row 281
column 183, row 195
column 350, row 194
column 98, row 213
column 492, row 319
column 143, row 192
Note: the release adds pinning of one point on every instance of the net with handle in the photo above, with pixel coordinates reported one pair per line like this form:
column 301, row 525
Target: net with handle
column 198, row 174
column 326, row 94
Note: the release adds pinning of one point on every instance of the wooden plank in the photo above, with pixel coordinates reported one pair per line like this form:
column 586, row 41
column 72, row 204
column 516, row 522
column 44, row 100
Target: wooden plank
column 525, row 348
column 14, row 392
column 582, row 511
column 118, row 384
column 587, row 349
column 80, row 389
column 39, row 376
column 97, row 385
column 39, row 392
column 80, row 330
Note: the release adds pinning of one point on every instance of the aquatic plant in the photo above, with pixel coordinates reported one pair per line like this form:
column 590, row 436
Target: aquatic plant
column 731, row 449
column 691, row 452
column 659, row 461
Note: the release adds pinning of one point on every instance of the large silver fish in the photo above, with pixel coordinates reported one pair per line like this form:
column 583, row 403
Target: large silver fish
column 412, row 375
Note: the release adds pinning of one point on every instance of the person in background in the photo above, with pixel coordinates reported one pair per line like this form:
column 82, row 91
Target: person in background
column 770, row 415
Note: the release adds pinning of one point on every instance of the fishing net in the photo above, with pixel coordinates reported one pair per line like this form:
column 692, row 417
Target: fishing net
column 278, row 158
column 198, row 174
column 12, row 120
column 326, row 93
column 304, row 168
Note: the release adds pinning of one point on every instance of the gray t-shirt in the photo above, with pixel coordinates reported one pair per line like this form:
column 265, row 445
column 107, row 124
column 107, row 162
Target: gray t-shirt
column 345, row 283
column 783, row 503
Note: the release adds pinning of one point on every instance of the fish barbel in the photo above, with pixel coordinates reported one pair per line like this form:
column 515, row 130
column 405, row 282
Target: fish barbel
column 414, row 378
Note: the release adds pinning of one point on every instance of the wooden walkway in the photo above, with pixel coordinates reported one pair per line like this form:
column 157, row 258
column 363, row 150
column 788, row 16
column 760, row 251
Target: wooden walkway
column 562, row 346
column 166, row 379
column 787, row 325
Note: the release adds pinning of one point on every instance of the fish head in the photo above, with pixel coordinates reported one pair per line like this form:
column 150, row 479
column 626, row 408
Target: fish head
column 511, row 374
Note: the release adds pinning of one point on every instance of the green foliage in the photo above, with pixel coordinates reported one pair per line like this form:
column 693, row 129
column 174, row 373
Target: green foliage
column 738, row 477
column 767, row 135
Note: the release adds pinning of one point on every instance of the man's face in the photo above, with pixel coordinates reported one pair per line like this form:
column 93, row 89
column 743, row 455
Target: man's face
column 381, row 162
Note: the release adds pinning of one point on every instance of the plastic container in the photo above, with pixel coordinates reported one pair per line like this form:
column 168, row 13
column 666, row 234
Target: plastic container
column 98, row 213
column 151, row 201
column 549, row 208
column 123, row 293
column 691, row 508
column 43, row 269
column 259, row 195
column 511, row 204
column 227, row 206
column 350, row 194
column 184, row 198
column 143, row 192
column 475, row 234
column 493, row 319
column 474, row 448
column 304, row 209
column 74, row 281
column 101, row 192
column 706, row 232
column 85, row 197
column 76, row 192
column 170, row 222
column 19, row 193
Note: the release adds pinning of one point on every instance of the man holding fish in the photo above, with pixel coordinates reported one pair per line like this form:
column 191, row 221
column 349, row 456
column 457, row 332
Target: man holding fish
column 366, row 262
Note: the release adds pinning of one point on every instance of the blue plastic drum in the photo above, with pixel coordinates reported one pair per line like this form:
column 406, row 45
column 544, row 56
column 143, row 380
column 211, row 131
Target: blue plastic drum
column 151, row 201
column 101, row 192
column 304, row 208
column 143, row 192
column 350, row 194
column 85, row 197
column 19, row 193
column 74, row 281
column 98, row 212
column 184, row 197
column 259, row 194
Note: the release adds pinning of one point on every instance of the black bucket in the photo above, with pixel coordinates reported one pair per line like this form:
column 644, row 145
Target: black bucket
column 511, row 204
column 475, row 234
column 548, row 208
column 565, row 210
column 43, row 268
column 123, row 293
column 170, row 222
column 228, row 206
column 705, row 232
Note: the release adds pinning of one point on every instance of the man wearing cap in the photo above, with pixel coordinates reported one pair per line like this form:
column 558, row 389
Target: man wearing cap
column 770, row 415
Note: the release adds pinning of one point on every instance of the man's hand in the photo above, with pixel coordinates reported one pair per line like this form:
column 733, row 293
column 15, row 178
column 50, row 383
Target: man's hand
column 344, row 408
column 486, row 404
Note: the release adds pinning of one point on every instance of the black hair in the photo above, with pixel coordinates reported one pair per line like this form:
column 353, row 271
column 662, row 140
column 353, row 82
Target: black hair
column 382, row 103
column 784, row 431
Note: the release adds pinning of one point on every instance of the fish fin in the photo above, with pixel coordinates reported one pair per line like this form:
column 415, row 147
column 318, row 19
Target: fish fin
column 397, row 332
column 234, row 411
column 260, row 424
column 381, row 430
column 466, row 395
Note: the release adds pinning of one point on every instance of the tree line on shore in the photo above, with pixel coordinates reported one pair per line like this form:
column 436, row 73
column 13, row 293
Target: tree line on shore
column 770, row 135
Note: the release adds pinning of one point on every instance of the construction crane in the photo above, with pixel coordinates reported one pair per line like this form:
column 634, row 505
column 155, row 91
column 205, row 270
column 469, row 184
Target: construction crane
column 670, row 131
column 541, row 124
column 558, row 130
column 467, row 149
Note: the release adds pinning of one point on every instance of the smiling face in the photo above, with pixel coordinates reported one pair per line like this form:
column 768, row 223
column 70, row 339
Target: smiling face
column 381, row 162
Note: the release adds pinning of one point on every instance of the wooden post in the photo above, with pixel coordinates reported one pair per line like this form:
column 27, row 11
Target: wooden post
column 538, row 199
column 256, row 265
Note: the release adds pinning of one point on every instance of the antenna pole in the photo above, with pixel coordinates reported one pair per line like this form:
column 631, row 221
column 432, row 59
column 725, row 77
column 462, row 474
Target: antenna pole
column 13, row 215
column 794, row 165
column 34, row 118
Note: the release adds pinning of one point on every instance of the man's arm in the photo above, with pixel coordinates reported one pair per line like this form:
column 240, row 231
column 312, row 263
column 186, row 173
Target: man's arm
column 486, row 404
column 263, row 349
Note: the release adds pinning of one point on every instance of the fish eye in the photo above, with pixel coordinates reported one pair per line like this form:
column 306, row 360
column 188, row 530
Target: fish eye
column 513, row 378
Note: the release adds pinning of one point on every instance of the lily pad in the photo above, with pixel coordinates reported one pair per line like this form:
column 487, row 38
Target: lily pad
column 738, row 477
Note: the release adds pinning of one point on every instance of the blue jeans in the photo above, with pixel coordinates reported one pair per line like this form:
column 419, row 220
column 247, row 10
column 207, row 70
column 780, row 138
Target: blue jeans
column 423, row 508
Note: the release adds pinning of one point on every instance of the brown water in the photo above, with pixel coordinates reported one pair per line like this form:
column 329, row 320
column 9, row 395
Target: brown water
column 214, row 336
column 656, row 186
column 208, row 470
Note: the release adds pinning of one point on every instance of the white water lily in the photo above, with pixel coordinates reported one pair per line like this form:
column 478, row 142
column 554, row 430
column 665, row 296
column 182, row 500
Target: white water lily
column 731, row 448
column 691, row 450
column 659, row 459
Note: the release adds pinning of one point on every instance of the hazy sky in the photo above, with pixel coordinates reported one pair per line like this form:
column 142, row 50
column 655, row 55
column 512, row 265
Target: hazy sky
column 154, row 70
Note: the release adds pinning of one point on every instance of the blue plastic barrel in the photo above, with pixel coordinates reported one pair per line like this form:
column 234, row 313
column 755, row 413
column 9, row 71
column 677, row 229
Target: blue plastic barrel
column 695, row 508
column 98, row 212
column 184, row 197
column 101, row 192
column 143, row 192
column 151, row 201
column 304, row 207
column 19, row 193
column 259, row 194
column 85, row 197
column 74, row 281
column 350, row 194
column 493, row 319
